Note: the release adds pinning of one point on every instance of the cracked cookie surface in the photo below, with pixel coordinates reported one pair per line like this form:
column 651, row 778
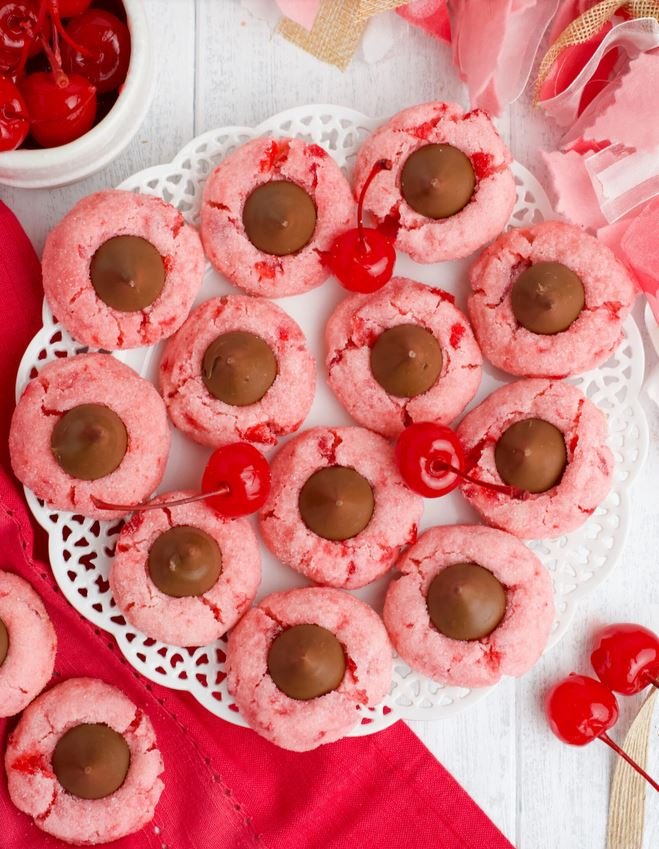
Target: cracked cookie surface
column 608, row 291
column 70, row 249
column 191, row 620
column 304, row 725
column 511, row 648
column 355, row 325
column 588, row 474
column 361, row 559
column 207, row 419
column 89, row 379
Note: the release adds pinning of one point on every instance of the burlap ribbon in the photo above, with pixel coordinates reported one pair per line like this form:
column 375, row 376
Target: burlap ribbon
column 338, row 28
column 628, row 789
column 584, row 27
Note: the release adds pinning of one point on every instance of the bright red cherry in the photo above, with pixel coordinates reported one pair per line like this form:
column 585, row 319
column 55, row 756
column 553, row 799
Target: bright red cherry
column 14, row 118
column 69, row 8
column 580, row 709
column 626, row 658
column 18, row 32
column 106, row 41
column 61, row 108
column 424, row 453
column 431, row 461
column 363, row 259
column 243, row 473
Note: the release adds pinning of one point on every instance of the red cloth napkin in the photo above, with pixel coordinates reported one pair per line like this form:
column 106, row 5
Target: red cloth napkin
column 225, row 787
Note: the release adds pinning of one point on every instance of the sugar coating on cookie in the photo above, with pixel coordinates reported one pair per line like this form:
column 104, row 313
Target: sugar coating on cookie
column 368, row 555
column 32, row 643
column 608, row 290
column 211, row 421
column 514, row 645
column 70, row 249
column 34, row 787
column 588, row 474
column 89, row 379
column 356, row 324
column 303, row 725
column 258, row 162
column 484, row 216
column 192, row 620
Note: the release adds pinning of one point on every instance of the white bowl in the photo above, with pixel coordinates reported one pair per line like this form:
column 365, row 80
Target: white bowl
column 58, row 166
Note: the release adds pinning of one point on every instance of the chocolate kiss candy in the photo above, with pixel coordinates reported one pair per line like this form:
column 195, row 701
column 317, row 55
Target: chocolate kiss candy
column 406, row 360
column 4, row 642
column 466, row 602
column 531, row 455
column 547, row 298
column 336, row 503
column 184, row 561
column 279, row 218
column 127, row 273
column 91, row 761
column 306, row 661
column 238, row 368
column 437, row 180
column 89, row 442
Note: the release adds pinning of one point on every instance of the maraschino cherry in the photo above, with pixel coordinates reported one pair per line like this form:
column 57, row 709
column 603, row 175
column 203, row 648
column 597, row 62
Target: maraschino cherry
column 62, row 108
column 106, row 42
column 362, row 259
column 626, row 658
column 236, row 482
column 431, row 461
column 19, row 22
column 580, row 709
column 14, row 118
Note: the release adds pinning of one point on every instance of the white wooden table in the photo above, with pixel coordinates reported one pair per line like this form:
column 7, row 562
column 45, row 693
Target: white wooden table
column 218, row 66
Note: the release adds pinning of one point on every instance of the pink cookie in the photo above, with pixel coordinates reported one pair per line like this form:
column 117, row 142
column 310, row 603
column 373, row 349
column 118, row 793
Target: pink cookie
column 352, row 331
column 207, row 419
column 258, row 162
column 35, row 789
column 304, row 725
column 89, row 379
column 608, row 289
column 511, row 648
column 484, row 216
column 361, row 559
column 30, row 641
column 72, row 245
column 190, row 620
column 587, row 477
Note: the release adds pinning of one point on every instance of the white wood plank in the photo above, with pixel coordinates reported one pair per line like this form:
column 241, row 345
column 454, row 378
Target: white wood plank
column 168, row 125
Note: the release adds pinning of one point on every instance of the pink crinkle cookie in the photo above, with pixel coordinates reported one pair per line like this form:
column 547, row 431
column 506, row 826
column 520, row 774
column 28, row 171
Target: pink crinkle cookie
column 189, row 620
column 355, row 326
column 303, row 725
column 35, row 789
column 364, row 557
column 511, row 648
column 211, row 421
column 60, row 387
column 67, row 268
column 27, row 644
column 588, row 474
column 485, row 215
column 223, row 231
column 608, row 292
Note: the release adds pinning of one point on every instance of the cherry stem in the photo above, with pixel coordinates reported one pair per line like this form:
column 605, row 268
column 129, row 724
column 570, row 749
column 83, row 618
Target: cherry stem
column 156, row 504
column 59, row 26
column 380, row 165
column 59, row 76
column 604, row 737
column 436, row 465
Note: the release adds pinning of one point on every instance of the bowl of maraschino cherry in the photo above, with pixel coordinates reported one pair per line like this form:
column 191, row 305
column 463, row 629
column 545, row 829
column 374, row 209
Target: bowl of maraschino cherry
column 76, row 80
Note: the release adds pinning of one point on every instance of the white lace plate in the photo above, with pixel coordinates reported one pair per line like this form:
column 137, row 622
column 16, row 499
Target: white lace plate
column 81, row 549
